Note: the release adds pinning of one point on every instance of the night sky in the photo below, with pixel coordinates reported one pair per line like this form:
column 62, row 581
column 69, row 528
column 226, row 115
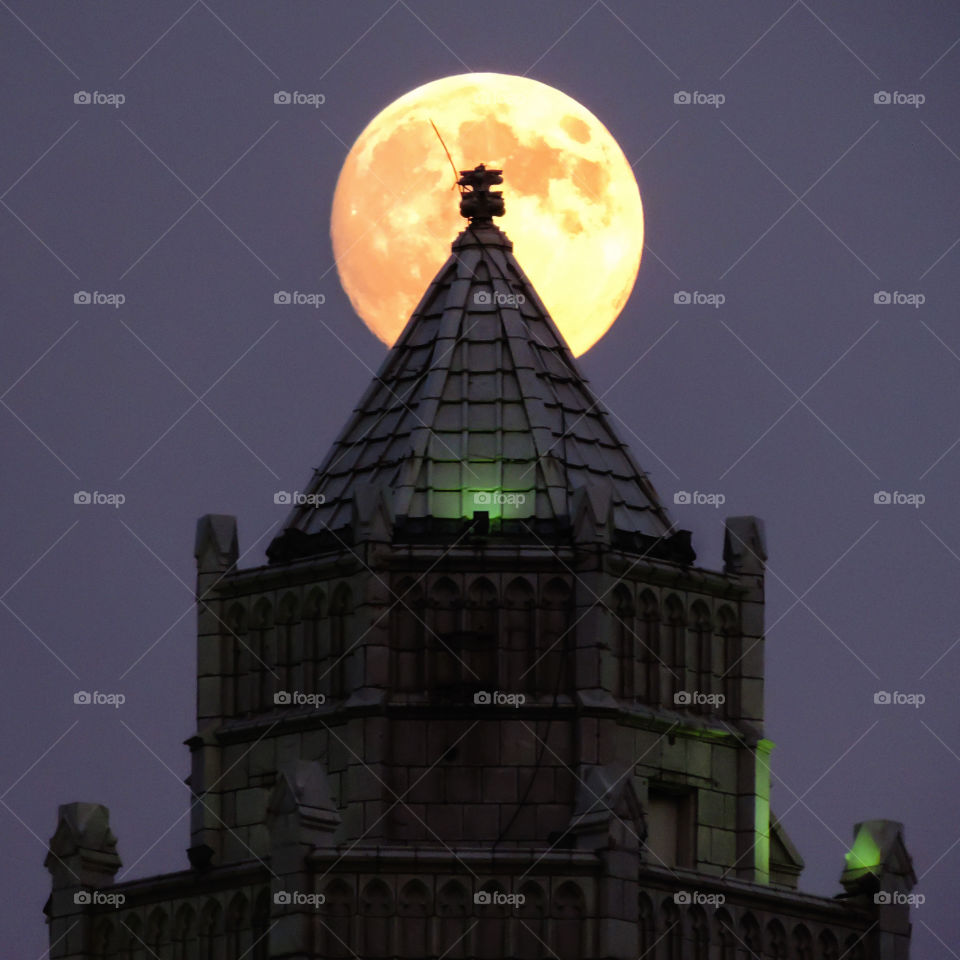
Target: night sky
column 799, row 199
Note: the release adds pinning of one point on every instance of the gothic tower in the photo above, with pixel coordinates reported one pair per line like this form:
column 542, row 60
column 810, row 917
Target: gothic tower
column 480, row 702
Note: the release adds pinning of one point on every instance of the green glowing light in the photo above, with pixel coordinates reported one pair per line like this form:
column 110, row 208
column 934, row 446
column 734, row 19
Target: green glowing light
column 761, row 816
column 865, row 853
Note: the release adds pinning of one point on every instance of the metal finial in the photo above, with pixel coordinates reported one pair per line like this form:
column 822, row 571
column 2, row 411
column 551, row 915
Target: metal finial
column 479, row 204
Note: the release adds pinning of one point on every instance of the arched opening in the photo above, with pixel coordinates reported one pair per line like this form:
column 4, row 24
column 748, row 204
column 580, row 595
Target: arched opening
column 699, row 934
column 341, row 615
column 185, row 934
column 316, row 641
column 408, row 638
column 569, row 910
column 726, row 936
column 672, row 934
column 649, row 642
column 453, row 923
column 413, row 908
column 624, row 631
column 261, row 927
column 802, row 943
column 337, row 920
column 751, row 938
column 676, row 651
column 555, row 639
column 264, row 665
column 829, row 948
column 490, row 929
column 519, row 630
column 236, row 659
column 776, row 941
column 531, row 938
column 701, row 647
column 288, row 655
column 730, row 643
column 237, row 932
column 481, row 641
column 376, row 903
column 209, row 930
column 444, row 625
column 646, row 928
column 157, row 933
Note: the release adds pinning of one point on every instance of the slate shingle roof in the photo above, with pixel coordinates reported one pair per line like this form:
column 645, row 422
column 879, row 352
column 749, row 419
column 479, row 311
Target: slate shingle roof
column 480, row 406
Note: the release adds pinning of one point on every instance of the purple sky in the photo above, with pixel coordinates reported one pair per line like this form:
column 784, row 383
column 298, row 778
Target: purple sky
column 798, row 199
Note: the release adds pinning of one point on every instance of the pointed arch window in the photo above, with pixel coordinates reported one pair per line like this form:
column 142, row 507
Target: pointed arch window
column 624, row 629
column 555, row 639
column 408, row 638
column 650, row 655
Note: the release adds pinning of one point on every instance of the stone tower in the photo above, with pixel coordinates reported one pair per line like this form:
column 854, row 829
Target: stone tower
column 480, row 702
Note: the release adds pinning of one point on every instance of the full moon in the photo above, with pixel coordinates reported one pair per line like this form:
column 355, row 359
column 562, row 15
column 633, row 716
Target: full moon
column 573, row 208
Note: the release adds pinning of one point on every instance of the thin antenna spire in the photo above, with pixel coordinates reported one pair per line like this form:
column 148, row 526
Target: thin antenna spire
column 453, row 166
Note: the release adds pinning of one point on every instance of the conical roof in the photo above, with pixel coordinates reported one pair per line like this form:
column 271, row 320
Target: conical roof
column 479, row 406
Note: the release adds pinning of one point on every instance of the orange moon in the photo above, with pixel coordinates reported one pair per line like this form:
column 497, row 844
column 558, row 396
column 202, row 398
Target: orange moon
column 573, row 208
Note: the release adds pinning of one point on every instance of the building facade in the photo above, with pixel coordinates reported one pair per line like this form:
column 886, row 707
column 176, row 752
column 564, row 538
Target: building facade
column 480, row 701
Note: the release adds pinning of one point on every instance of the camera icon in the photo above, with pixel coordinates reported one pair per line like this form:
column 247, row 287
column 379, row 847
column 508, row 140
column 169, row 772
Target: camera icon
column 882, row 697
column 482, row 697
column 882, row 897
column 682, row 698
column 281, row 296
column 682, row 898
column 483, row 297
column 81, row 96
column 882, row 297
column 282, row 497
column 882, row 496
column 881, row 96
column 82, row 697
column 482, row 898
column 483, row 498
column 82, row 297
column 682, row 297
column 681, row 496
column 282, row 898
column 681, row 96
column 82, row 898
column 82, row 497
column 282, row 96
column 282, row 698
